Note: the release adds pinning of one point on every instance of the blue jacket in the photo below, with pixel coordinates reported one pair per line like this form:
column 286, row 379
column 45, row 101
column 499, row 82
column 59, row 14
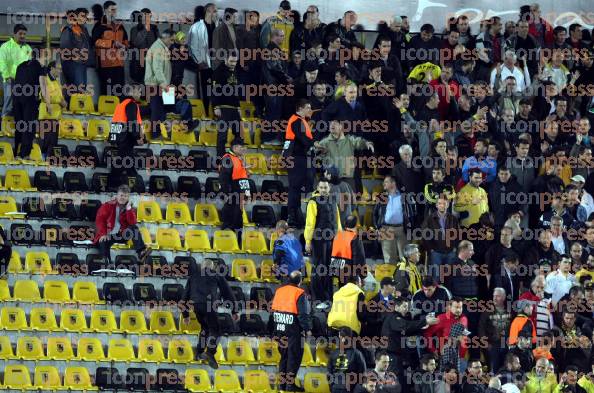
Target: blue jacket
column 287, row 254
column 487, row 165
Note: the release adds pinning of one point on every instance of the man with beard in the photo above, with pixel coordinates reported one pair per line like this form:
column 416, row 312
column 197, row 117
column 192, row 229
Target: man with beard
column 431, row 298
column 387, row 381
column 521, row 166
column 494, row 325
column 559, row 282
column 540, row 379
column 587, row 270
column 572, row 347
column 503, row 192
column 479, row 160
column 542, row 249
column 498, row 251
column 447, row 89
column 473, row 381
column 444, row 228
column 472, row 200
column 423, row 47
column 506, row 277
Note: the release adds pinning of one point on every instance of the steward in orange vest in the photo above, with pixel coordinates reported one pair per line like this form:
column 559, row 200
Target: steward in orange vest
column 290, row 317
column 348, row 255
column 233, row 177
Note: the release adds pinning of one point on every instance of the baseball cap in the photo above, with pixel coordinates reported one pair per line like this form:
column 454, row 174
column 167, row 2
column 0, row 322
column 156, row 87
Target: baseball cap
column 578, row 178
column 285, row 5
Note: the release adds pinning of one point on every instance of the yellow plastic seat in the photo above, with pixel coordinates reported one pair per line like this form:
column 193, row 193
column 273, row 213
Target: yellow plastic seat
column 44, row 319
column 146, row 237
column 71, row 129
column 120, row 350
column 47, row 378
column 316, row 383
column 257, row 381
column 266, row 273
column 246, row 220
column 15, row 265
column 35, row 156
column 133, row 321
column 240, row 352
column 197, row 380
column 6, row 153
column 244, row 270
column 180, row 136
column 7, row 206
column 384, row 270
column 90, row 349
column 81, row 104
column 103, row 321
column 8, row 126
column 13, row 318
column 4, row 291
column 85, row 292
column 56, row 292
column 248, row 110
column 73, row 320
column 29, row 348
column 206, row 214
column 277, row 165
column 26, row 291
column 78, row 378
column 98, row 129
column 307, row 360
column 38, row 262
column 322, row 354
column 59, row 348
column 18, row 180
column 16, row 376
column 150, row 350
column 6, row 352
column 193, row 327
column 225, row 241
column 180, row 351
column 254, row 242
column 207, row 137
column 178, row 213
column 198, row 111
column 256, row 163
column 168, row 239
column 196, row 240
column 220, row 355
column 149, row 211
column 226, row 381
column 268, row 353
column 107, row 104
column 162, row 322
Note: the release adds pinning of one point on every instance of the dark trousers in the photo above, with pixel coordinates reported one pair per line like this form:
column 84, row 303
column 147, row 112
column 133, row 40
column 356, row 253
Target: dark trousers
column 25, row 115
column 110, row 78
column 122, row 165
column 274, row 112
column 251, row 77
column 130, row 233
column 209, row 331
column 231, row 214
column 203, row 80
column 5, row 254
column 229, row 119
column 75, row 74
column 321, row 280
column 291, row 352
column 298, row 176
column 48, row 133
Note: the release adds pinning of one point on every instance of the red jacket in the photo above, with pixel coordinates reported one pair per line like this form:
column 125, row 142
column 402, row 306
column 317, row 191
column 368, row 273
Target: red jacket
column 548, row 36
column 105, row 220
column 529, row 295
column 441, row 331
column 444, row 103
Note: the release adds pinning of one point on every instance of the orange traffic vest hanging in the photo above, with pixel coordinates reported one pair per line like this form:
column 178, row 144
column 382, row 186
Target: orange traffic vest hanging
column 290, row 135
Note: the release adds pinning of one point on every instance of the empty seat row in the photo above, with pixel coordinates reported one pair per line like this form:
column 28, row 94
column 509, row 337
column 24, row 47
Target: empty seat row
column 104, row 321
column 47, row 378
column 83, row 292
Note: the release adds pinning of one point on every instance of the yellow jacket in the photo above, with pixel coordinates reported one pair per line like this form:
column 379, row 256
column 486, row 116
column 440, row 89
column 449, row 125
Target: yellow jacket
column 54, row 91
column 586, row 383
column 344, row 308
column 466, row 201
column 535, row 385
column 310, row 219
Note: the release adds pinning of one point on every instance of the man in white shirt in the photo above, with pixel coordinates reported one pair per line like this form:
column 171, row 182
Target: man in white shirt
column 557, row 238
column 502, row 72
column 559, row 282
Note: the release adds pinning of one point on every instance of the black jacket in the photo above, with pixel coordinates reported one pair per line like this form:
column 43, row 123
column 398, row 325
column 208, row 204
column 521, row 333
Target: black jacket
column 342, row 366
column 203, row 288
column 501, row 200
column 500, row 279
column 27, row 80
column 223, row 81
column 347, row 38
column 396, row 327
column 274, row 70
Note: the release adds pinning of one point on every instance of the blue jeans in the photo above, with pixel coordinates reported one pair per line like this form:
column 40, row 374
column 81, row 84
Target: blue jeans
column 75, row 73
column 436, row 259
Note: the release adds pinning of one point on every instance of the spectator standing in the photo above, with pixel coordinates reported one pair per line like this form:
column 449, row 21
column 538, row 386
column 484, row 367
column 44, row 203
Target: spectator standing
column 559, row 282
column 287, row 253
column 431, row 298
column 200, row 39
column 348, row 307
column 472, row 200
column 281, row 21
column 522, row 324
column 346, row 364
column 407, row 276
column 473, row 381
column 441, row 242
column 76, row 51
column 348, row 256
column 51, row 107
column 12, row 53
column 343, row 29
column 233, row 177
column 224, row 38
column 142, row 36
column 379, row 307
column 494, row 325
column 110, row 40
column 436, row 335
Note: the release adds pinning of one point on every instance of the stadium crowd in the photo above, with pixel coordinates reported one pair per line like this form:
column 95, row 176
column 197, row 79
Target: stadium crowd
column 484, row 221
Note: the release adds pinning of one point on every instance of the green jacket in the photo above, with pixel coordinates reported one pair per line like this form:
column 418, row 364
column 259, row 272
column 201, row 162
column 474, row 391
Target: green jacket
column 11, row 55
column 586, row 383
column 341, row 153
column 535, row 385
column 157, row 65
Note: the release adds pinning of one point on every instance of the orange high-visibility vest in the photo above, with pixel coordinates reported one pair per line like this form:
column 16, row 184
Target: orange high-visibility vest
column 239, row 171
column 290, row 135
column 341, row 246
column 119, row 115
column 285, row 299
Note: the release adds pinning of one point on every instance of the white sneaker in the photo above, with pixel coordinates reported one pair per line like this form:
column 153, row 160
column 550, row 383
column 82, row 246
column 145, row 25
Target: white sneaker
column 323, row 306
